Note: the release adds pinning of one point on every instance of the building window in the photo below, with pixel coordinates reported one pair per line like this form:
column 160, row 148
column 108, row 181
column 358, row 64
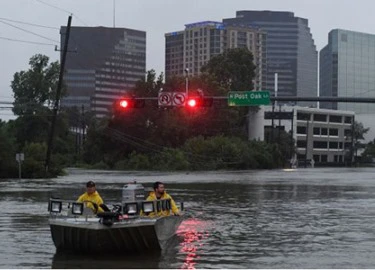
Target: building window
column 320, row 118
column 316, row 131
column 301, row 130
column 348, row 145
column 348, row 120
column 344, row 37
column 324, row 131
column 333, row 145
column 333, row 132
column 301, row 144
column 303, row 116
column 347, row 132
column 323, row 158
column 335, row 118
column 320, row 144
column 316, row 158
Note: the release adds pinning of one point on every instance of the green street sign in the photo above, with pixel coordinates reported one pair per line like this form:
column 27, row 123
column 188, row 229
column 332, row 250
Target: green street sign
column 248, row 98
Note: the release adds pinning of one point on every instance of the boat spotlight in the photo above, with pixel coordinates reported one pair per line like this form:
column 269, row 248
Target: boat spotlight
column 148, row 207
column 77, row 208
column 55, row 206
column 131, row 208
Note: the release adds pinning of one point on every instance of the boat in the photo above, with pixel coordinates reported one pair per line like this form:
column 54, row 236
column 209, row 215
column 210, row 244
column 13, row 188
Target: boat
column 132, row 226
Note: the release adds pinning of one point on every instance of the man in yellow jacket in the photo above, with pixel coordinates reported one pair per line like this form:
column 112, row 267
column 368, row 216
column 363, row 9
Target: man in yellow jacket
column 92, row 196
column 159, row 193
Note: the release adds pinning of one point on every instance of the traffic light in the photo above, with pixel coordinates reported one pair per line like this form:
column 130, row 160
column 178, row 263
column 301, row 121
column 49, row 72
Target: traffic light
column 193, row 102
column 127, row 103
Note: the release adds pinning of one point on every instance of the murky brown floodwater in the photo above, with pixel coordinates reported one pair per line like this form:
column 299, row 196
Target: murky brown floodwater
column 307, row 218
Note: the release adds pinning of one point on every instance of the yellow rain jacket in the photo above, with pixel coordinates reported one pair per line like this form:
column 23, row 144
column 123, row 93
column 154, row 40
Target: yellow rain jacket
column 95, row 197
column 152, row 197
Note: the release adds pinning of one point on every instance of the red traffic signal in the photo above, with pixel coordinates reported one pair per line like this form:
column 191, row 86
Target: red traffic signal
column 124, row 104
column 199, row 102
column 127, row 103
column 192, row 102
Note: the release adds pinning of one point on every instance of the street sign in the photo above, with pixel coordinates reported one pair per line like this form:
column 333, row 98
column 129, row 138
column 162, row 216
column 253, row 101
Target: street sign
column 20, row 157
column 171, row 99
column 165, row 99
column 179, row 99
column 248, row 98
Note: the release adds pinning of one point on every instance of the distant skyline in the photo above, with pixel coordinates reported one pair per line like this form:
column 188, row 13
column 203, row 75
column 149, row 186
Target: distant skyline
column 156, row 18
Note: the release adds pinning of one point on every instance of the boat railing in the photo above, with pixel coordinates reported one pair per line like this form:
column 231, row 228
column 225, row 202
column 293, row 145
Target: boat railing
column 132, row 209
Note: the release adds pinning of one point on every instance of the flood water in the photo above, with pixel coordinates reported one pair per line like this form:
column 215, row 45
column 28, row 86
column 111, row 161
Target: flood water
column 305, row 218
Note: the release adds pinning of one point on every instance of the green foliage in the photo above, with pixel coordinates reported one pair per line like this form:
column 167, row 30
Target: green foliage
column 139, row 162
column 8, row 165
column 230, row 153
column 36, row 87
column 171, row 160
column 34, row 90
column 33, row 166
column 100, row 166
column 233, row 70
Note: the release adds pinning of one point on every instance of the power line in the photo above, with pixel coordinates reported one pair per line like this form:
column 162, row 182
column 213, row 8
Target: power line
column 63, row 10
column 31, row 24
column 27, row 41
column 52, row 6
column 27, row 31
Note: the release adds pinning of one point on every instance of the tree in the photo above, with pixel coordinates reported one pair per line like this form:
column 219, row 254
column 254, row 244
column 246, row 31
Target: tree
column 34, row 91
column 369, row 154
column 234, row 70
column 36, row 87
column 8, row 164
column 358, row 134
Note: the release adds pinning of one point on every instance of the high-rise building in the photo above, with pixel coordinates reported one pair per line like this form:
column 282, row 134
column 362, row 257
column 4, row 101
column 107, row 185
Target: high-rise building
column 347, row 68
column 291, row 52
column 199, row 42
column 102, row 64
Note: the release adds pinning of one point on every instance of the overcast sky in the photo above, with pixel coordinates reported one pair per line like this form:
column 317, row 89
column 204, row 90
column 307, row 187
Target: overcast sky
column 156, row 17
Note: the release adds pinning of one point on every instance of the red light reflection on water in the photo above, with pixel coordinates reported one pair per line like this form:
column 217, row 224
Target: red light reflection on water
column 193, row 231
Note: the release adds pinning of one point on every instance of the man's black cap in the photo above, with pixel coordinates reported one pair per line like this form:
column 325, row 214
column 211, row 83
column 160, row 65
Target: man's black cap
column 90, row 184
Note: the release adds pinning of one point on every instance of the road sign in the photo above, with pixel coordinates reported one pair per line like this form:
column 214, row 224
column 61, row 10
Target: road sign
column 172, row 99
column 178, row 99
column 20, row 157
column 248, row 98
column 165, row 99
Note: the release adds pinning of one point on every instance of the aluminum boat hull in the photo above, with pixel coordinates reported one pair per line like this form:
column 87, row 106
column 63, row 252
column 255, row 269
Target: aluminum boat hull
column 133, row 235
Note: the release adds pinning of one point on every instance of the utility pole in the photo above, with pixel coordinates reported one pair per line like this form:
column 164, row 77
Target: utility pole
column 57, row 99
column 272, row 120
column 83, row 124
column 307, row 140
column 291, row 136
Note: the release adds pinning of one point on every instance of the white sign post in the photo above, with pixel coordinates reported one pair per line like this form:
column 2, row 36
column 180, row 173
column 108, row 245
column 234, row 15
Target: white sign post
column 20, row 157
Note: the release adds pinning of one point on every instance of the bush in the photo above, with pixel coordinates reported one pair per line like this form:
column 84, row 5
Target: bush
column 171, row 159
column 230, row 153
column 33, row 166
column 138, row 162
column 121, row 165
column 100, row 166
